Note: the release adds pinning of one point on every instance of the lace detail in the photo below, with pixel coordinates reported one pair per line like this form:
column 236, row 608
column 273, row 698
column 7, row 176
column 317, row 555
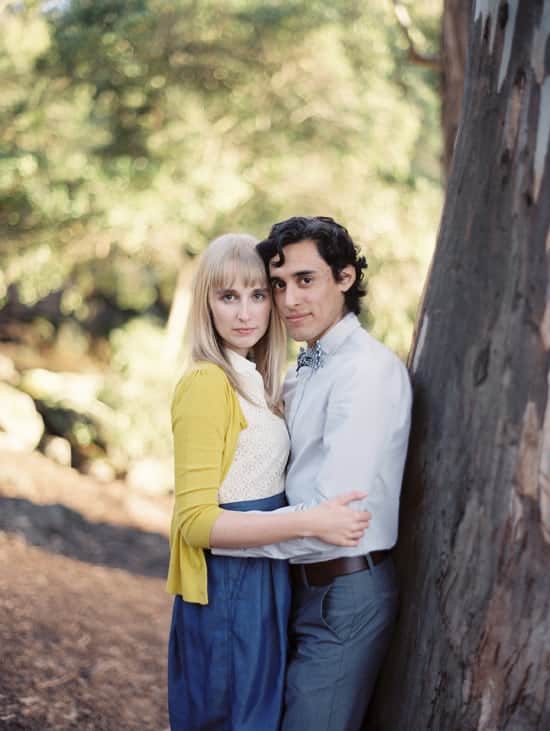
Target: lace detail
column 258, row 467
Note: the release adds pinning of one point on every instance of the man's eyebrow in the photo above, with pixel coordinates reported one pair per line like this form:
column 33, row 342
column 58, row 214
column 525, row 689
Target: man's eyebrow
column 302, row 273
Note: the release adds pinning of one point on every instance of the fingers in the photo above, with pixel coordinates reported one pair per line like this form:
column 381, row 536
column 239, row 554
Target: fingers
column 362, row 515
column 351, row 537
column 349, row 542
column 350, row 497
column 361, row 520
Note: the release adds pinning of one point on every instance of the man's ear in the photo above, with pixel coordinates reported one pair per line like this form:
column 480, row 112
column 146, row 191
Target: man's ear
column 347, row 278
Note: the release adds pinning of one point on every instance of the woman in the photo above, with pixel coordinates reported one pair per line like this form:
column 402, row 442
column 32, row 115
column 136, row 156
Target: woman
column 227, row 647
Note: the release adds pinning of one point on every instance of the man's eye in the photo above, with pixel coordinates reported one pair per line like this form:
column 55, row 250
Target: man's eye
column 306, row 280
column 277, row 284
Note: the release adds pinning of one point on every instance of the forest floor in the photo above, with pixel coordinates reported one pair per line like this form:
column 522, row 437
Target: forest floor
column 84, row 615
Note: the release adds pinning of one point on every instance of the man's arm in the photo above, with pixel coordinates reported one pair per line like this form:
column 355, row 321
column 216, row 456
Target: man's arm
column 364, row 412
column 198, row 420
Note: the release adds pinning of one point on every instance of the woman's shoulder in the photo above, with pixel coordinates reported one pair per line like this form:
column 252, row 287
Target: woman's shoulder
column 205, row 369
column 203, row 380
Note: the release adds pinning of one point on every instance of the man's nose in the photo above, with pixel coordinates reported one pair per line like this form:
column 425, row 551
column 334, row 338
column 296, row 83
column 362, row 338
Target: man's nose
column 291, row 297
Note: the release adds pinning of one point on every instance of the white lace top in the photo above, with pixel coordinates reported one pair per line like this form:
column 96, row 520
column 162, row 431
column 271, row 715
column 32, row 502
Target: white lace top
column 258, row 467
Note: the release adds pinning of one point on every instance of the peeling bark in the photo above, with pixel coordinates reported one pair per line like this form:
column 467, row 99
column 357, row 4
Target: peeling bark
column 454, row 43
column 472, row 645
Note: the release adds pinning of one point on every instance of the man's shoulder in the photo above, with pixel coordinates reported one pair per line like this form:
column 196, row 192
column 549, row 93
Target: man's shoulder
column 363, row 349
column 368, row 364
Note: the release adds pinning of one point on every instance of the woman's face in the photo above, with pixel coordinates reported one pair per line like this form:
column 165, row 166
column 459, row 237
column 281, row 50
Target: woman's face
column 241, row 314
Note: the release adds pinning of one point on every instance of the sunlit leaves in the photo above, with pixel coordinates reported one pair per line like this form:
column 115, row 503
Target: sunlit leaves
column 133, row 132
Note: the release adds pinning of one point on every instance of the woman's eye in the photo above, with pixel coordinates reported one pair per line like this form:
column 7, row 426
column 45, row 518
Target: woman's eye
column 260, row 296
column 228, row 297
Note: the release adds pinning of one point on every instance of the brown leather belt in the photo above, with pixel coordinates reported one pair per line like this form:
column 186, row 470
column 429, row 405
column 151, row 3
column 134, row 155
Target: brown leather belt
column 322, row 573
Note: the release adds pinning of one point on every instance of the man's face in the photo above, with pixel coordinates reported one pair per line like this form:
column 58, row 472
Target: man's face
column 305, row 292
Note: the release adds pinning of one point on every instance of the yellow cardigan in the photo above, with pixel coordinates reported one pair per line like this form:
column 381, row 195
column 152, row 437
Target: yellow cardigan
column 206, row 422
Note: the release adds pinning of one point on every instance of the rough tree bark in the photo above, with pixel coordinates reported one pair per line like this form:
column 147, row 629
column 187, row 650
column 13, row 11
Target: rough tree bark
column 472, row 646
column 450, row 63
column 454, row 44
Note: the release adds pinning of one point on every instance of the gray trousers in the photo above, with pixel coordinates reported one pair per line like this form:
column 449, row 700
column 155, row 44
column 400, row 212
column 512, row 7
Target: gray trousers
column 339, row 635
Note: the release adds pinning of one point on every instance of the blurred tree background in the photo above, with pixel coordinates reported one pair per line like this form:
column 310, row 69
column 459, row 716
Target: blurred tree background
column 134, row 132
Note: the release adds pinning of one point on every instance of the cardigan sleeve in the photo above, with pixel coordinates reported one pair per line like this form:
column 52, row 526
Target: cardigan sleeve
column 199, row 426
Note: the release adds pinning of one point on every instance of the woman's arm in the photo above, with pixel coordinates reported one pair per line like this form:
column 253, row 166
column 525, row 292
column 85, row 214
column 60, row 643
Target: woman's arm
column 200, row 416
column 331, row 521
column 199, row 423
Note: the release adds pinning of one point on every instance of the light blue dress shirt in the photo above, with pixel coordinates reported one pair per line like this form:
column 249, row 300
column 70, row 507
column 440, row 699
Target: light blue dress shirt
column 349, row 424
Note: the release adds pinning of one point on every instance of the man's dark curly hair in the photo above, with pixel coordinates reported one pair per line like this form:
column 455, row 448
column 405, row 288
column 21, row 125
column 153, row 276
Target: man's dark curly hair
column 334, row 245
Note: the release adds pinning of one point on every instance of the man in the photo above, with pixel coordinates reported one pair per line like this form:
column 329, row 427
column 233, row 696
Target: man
column 347, row 407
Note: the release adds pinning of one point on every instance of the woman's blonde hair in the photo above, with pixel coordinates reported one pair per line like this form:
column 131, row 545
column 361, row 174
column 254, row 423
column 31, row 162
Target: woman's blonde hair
column 226, row 258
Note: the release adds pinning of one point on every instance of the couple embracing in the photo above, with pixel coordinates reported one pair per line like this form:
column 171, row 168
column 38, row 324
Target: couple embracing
column 286, row 500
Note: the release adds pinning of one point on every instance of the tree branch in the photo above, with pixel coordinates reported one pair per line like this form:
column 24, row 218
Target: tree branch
column 404, row 22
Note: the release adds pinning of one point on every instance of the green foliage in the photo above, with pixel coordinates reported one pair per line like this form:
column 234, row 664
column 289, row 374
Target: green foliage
column 133, row 132
column 138, row 388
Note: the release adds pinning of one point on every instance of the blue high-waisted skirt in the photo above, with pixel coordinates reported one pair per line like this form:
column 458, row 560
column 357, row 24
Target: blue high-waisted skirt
column 226, row 659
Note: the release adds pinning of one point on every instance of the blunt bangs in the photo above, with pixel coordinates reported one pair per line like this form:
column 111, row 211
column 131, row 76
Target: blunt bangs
column 226, row 261
column 238, row 263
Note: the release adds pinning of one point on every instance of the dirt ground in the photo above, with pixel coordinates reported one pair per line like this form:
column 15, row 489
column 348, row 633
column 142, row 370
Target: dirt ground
column 83, row 612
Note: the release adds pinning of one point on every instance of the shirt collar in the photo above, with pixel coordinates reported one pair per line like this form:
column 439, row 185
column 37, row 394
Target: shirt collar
column 339, row 332
column 239, row 363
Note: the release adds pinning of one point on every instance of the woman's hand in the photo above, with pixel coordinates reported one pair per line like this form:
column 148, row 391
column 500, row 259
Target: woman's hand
column 334, row 522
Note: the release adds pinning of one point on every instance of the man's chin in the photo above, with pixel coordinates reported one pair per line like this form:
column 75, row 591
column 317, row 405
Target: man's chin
column 299, row 334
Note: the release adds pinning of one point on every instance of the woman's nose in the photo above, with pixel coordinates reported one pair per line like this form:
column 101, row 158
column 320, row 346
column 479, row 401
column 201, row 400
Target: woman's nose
column 244, row 313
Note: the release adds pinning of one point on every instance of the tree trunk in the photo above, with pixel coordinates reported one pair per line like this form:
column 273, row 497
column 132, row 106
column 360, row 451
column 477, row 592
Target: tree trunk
column 179, row 310
column 472, row 644
column 454, row 44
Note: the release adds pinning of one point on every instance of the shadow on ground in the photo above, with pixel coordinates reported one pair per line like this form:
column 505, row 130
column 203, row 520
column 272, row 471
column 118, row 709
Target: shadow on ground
column 66, row 532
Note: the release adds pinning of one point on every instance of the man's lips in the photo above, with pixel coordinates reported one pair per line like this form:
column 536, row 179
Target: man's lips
column 295, row 319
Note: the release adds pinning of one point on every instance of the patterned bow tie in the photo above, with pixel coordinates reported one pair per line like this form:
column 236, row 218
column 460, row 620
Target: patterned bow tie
column 312, row 357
